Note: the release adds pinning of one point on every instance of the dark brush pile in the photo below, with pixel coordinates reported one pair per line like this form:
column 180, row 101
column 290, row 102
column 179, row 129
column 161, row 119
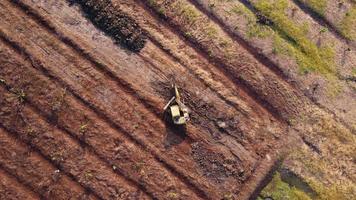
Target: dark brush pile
column 114, row 22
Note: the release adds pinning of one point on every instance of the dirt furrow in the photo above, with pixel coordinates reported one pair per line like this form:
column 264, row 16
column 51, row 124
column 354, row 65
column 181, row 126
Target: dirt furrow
column 321, row 65
column 91, row 100
column 237, row 64
column 11, row 189
column 244, row 21
column 319, row 18
column 255, row 51
column 147, row 99
column 212, row 128
column 255, row 76
column 196, row 18
column 259, row 145
column 177, row 157
column 63, row 151
column 31, row 169
column 186, row 177
column 123, row 154
column 257, row 54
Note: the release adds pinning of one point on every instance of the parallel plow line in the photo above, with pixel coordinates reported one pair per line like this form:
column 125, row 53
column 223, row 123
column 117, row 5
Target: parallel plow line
column 121, row 83
column 226, row 69
column 268, row 63
column 103, row 116
column 264, row 58
column 72, row 132
column 69, row 185
column 12, row 188
column 322, row 21
column 107, row 139
column 68, row 41
column 150, row 105
column 89, row 103
column 64, row 164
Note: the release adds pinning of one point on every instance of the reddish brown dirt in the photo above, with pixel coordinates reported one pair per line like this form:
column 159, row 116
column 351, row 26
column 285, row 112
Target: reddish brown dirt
column 34, row 171
column 92, row 109
column 11, row 189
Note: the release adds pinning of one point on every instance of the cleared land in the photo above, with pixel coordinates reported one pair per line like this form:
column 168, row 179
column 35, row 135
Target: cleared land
column 83, row 84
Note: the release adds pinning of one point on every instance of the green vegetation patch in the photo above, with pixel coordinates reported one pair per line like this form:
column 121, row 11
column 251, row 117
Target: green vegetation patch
column 319, row 6
column 348, row 24
column 277, row 189
column 254, row 29
column 309, row 57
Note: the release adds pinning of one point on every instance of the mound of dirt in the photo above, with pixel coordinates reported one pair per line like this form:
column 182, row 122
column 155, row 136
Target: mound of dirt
column 110, row 19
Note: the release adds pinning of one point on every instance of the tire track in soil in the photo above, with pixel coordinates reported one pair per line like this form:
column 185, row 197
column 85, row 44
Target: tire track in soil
column 248, row 83
column 296, row 93
column 192, row 70
column 292, row 83
column 222, row 67
column 65, row 153
column 264, row 60
column 156, row 111
column 35, row 172
column 168, row 165
column 121, row 83
column 171, row 167
column 322, row 21
column 12, row 189
column 108, row 145
column 149, row 104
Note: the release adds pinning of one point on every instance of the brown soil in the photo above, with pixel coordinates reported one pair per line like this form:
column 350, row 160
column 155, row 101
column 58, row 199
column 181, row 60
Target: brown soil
column 36, row 172
column 11, row 189
column 92, row 110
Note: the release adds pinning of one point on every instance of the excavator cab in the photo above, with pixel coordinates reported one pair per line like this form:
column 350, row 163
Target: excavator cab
column 176, row 110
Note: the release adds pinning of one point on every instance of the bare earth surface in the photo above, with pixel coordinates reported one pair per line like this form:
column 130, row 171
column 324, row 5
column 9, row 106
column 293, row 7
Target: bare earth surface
column 81, row 113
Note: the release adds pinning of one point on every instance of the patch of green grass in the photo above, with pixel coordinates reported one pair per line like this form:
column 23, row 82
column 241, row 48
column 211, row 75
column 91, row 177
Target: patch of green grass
column 309, row 57
column 188, row 14
column 160, row 10
column 242, row 10
column 277, row 189
column 211, row 32
column 254, row 29
column 348, row 24
column 318, row 6
column 335, row 191
column 259, row 31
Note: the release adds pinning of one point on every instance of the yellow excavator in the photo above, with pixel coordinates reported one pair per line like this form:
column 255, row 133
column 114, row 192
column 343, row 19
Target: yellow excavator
column 178, row 112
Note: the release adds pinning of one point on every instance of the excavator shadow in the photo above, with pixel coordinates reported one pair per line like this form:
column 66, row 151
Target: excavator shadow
column 175, row 134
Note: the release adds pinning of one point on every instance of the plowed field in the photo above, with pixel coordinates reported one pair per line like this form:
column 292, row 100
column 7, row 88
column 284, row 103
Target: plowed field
column 83, row 84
